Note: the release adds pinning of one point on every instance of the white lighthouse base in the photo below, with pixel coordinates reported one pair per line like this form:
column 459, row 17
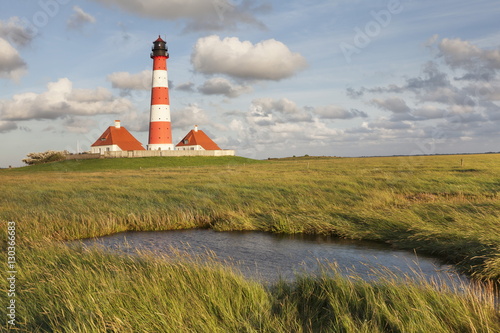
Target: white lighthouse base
column 164, row 146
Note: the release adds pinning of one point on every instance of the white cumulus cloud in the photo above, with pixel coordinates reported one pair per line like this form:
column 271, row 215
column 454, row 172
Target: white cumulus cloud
column 189, row 116
column 459, row 53
column 127, row 81
column 7, row 126
column 79, row 18
column 185, row 86
column 430, row 112
column 278, row 125
column 79, row 125
column 222, row 86
column 16, row 32
column 338, row 112
column 200, row 15
column 61, row 100
column 266, row 60
column 280, row 110
column 12, row 66
column 393, row 104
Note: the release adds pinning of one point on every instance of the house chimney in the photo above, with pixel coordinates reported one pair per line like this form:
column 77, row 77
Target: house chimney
column 117, row 124
column 196, row 128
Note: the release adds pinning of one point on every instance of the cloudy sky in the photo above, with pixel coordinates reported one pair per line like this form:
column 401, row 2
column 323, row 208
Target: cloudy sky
column 268, row 78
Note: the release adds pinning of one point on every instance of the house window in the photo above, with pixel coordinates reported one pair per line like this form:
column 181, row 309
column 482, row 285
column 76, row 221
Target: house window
column 107, row 149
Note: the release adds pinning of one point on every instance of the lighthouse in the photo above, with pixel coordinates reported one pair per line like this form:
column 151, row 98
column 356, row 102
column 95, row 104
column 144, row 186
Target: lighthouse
column 160, row 131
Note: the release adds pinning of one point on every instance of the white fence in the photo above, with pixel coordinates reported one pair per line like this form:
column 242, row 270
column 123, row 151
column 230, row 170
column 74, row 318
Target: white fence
column 150, row 153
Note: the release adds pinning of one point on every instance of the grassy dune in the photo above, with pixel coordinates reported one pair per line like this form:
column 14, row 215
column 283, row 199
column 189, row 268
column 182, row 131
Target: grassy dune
column 444, row 205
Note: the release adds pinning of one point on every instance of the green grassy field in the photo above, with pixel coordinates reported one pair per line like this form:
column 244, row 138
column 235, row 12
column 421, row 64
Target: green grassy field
column 447, row 206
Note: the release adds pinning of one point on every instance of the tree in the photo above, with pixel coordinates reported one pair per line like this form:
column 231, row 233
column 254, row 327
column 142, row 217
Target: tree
column 45, row 157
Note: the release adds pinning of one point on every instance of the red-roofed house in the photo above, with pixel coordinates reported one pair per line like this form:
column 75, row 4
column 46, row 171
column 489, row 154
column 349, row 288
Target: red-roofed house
column 116, row 138
column 196, row 140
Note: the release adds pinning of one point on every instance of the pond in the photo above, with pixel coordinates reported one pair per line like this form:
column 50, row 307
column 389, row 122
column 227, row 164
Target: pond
column 268, row 257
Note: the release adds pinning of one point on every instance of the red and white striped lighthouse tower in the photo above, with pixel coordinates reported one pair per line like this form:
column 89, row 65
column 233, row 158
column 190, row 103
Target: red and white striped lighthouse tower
column 160, row 131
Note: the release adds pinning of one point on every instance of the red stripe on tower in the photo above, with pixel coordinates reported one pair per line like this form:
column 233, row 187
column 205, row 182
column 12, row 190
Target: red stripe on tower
column 160, row 131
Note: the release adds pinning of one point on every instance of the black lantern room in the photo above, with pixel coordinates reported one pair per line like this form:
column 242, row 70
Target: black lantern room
column 159, row 48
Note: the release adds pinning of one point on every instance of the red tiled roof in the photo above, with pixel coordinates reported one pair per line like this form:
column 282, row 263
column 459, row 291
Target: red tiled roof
column 199, row 137
column 120, row 137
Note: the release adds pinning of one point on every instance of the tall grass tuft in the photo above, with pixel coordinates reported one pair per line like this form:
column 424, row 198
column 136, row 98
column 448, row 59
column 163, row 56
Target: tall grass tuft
column 78, row 290
column 333, row 303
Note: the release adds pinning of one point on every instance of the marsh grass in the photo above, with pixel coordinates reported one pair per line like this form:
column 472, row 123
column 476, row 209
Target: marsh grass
column 391, row 304
column 428, row 203
column 432, row 204
column 75, row 289
column 79, row 290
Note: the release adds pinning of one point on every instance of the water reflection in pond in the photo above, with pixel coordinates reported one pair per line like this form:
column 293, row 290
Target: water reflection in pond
column 267, row 257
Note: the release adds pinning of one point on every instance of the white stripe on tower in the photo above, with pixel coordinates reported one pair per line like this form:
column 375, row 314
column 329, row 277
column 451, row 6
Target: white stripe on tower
column 160, row 132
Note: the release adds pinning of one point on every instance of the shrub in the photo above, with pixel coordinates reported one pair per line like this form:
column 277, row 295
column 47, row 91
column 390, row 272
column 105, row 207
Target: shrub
column 45, row 157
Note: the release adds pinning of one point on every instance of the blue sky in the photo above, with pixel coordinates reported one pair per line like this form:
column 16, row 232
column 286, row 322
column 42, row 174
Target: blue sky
column 266, row 78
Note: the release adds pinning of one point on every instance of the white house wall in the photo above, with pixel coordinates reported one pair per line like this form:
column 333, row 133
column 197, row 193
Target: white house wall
column 103, row 149
column 195, row 147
